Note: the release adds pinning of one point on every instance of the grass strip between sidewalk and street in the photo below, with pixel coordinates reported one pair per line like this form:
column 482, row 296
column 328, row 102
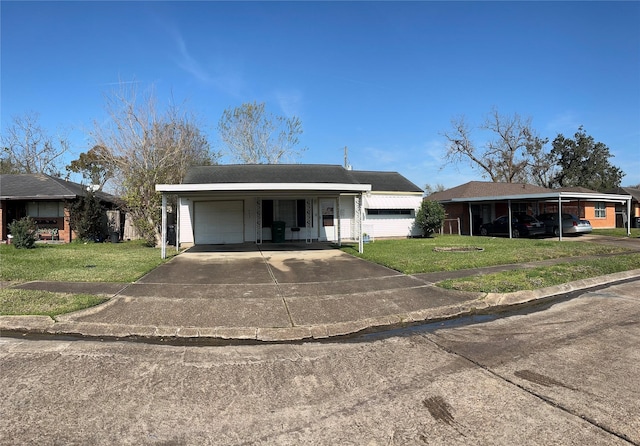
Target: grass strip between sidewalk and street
column 43, row 303
column 542, row 277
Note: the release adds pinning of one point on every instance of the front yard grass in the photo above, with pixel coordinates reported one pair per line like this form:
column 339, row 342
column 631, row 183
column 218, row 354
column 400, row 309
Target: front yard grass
column 71, row 262
column 414, row 256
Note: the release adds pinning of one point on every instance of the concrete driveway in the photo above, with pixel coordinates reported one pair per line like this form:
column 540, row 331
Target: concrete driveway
column 246, row 288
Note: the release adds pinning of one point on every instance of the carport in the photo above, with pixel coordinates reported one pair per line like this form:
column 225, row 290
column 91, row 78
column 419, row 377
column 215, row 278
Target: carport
column 223, row 203
column 561, row 198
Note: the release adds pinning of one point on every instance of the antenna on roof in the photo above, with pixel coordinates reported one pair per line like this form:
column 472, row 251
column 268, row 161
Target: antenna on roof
column 346, row 159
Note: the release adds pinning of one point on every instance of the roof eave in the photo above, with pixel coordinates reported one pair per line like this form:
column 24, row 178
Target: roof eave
column 252, row 187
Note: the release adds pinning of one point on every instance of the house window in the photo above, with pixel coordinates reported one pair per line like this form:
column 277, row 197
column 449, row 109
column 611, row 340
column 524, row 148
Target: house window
column 390, row 211
column 601, row 210
column 37, row 209
column 292, row 212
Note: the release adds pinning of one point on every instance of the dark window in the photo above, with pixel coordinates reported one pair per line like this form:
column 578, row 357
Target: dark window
column 267, row 213
column 389, row 211
column 301, row 213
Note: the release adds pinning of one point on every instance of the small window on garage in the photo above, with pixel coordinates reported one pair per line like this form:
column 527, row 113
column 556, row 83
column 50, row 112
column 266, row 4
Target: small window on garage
column 389, row 211
column 601, row 210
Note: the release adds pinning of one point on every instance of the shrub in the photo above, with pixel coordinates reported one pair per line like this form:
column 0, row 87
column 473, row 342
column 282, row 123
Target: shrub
column 430, row 217
column 87, row 218
column 23, row 232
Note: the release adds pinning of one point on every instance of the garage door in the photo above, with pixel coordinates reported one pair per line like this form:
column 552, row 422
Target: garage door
column 218, row 222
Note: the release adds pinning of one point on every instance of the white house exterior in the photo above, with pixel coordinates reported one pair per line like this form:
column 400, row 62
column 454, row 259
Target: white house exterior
column 224, row 204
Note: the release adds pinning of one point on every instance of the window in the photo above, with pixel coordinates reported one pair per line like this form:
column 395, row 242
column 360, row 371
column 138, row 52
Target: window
column 389, row 211
column 292, row 212
column 601, row 210
column 45, row 209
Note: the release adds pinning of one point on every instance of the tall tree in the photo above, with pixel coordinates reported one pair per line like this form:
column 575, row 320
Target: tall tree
column 254, row 136
column 584, row 162
column 145, row 146
column 513, row 155
column 27, row 148
column 94, row 166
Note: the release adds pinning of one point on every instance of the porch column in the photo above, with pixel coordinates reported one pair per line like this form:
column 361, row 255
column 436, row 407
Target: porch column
column 308, row 219
column 178, row 224
column 338, row 218
column 358, row 211
column 163, row 237
column 470, row 219
column 258, row 221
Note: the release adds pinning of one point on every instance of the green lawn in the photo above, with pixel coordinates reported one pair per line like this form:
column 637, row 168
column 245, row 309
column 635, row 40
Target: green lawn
column 78, row 262
column 412, row 256
column 72, row 262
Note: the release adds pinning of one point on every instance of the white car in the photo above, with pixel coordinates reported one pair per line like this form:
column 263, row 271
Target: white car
column 570, row 224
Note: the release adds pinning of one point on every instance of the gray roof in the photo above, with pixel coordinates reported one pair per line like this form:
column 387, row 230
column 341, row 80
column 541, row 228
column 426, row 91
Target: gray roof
column 297, row 173
column 474, row 189
column 385, row 181
column 38, row 186
column 635, row 193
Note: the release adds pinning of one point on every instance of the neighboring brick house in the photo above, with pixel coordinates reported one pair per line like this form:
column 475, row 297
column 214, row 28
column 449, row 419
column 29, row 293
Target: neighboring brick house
column 478, row 202
column 45, row 199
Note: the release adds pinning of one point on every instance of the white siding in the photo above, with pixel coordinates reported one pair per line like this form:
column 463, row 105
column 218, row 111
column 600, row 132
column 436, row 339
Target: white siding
column 186, row 217
column 391, row 225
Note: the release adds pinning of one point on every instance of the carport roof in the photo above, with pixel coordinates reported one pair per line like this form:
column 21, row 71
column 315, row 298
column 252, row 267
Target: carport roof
column 268, row 177
column 477, row 191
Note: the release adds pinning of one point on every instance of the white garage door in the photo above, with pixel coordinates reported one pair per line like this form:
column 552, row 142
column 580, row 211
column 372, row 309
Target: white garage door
column 218, row 222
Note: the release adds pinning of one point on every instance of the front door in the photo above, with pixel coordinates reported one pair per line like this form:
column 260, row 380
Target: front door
column 327, row 220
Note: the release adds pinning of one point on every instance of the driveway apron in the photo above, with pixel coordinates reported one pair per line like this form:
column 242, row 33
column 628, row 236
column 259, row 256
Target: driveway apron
column 266, row 286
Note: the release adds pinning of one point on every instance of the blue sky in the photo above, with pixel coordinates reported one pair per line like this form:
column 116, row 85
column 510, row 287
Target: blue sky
column 382, row 78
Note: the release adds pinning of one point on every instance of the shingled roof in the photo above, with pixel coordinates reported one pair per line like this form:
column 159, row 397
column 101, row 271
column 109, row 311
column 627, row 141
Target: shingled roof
column 385, row 181
column 269, row 173
column 297, row 173
column 475, row 189
column 39, row 186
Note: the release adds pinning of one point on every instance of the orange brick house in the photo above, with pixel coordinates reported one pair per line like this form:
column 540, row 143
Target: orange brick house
column 45, row 199
column 477, row 202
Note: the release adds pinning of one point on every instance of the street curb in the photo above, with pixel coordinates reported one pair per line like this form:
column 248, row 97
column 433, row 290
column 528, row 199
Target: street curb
column 490, row 303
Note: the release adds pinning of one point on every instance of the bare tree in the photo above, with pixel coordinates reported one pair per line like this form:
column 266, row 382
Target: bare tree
column 515, row 154
column 145, row 146
column 254, row 136
column 27, row 148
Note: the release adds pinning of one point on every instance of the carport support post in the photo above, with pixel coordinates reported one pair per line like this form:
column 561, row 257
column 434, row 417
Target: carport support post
column 163, row 241
column 629, row 218
column 509, row 214
column 560, row 225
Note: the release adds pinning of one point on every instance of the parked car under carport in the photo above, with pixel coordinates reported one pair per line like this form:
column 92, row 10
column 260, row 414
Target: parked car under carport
column 570, row 224
column 522, row 225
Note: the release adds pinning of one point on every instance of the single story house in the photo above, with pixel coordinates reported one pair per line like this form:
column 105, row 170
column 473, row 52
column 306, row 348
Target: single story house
column 477, row 202
column 240, row 203
column 45, row 199
column 635, row 206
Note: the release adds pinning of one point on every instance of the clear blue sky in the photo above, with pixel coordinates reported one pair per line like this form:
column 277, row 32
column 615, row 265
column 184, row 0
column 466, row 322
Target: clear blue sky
column 383, row 78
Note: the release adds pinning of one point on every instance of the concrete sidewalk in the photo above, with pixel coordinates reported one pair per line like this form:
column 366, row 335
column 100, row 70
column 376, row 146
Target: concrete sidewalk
column 274, row 293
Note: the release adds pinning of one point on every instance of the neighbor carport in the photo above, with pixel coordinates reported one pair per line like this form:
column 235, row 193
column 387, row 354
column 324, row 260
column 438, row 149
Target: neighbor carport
column 559, row 198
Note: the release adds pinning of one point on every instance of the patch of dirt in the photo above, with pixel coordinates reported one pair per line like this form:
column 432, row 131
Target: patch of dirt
column 458, row 249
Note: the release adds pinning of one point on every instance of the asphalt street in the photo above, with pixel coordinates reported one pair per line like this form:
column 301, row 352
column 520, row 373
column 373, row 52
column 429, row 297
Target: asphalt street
column 566, row 375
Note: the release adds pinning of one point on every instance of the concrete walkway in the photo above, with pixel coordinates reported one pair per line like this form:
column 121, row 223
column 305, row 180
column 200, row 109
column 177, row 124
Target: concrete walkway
column 273, row 293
